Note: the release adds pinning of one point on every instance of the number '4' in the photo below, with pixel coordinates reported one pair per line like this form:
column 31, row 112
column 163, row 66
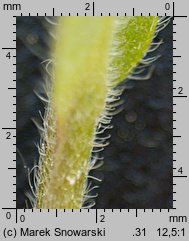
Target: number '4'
column 180, row 170
column 8, row 55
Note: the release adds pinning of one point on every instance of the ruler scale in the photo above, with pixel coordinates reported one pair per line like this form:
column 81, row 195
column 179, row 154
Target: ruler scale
column 108, row 224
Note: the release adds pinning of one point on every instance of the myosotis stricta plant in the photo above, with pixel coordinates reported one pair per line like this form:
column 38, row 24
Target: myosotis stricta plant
column 91, row 57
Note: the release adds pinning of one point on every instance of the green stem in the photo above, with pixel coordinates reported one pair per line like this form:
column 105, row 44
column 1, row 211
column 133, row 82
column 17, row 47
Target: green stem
column 91, row 56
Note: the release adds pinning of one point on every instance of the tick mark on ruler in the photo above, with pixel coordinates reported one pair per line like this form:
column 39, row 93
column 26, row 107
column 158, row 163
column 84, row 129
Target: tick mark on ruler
column 96, row 216
column 185, row 96
column 9, row 128
column 93, row 9
column 181, row 16
column 180, row 176
column 173, row 10
column 8, row 48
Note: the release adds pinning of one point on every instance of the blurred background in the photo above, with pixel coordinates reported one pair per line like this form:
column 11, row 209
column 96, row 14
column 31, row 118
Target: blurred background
column 137, row 169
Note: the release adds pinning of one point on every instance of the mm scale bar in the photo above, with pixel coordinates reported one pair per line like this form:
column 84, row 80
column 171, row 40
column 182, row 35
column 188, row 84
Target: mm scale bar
column 9, row 131
column 60, row 223
column 93, row 9
column 179, row 97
